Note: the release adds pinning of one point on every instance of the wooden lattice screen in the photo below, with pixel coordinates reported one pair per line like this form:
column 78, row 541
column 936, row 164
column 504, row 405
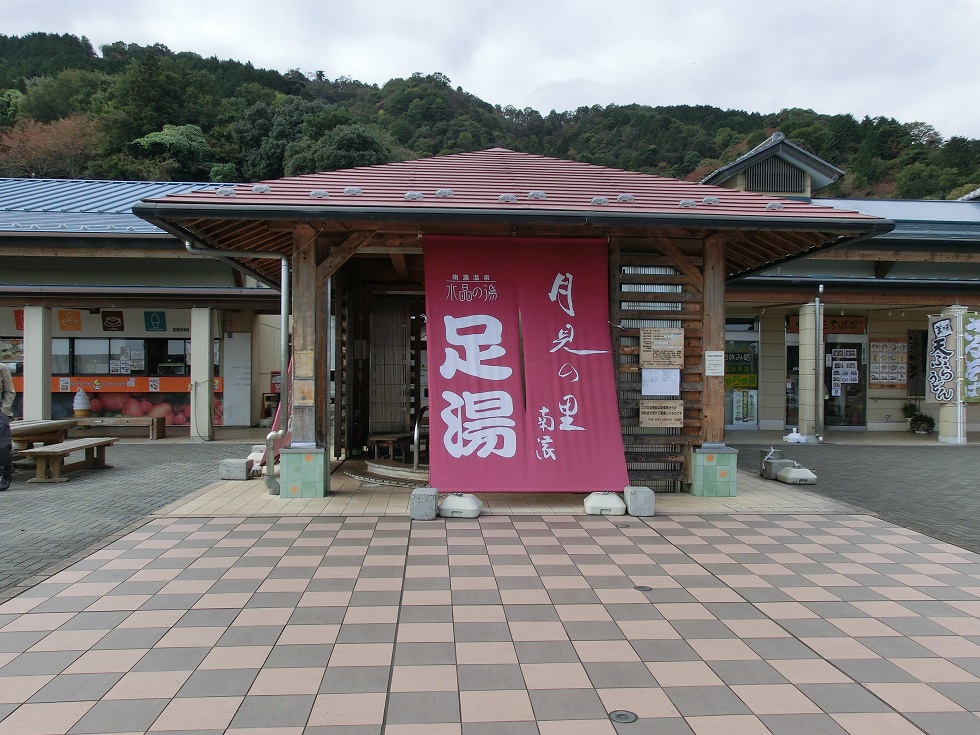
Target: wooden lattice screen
column 647, row 290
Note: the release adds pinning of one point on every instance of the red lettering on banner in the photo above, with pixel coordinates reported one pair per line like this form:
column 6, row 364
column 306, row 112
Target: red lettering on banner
column 558, row 430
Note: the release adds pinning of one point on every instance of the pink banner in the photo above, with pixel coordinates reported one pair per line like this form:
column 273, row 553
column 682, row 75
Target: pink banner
column 521, row 382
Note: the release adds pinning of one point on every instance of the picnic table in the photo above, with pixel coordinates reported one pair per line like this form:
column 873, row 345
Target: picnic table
column 48, row 431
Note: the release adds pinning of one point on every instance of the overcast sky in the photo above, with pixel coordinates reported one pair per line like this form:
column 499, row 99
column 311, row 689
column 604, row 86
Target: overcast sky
column 913, row 60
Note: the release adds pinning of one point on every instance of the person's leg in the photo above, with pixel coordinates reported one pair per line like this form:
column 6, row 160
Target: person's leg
column 6, row 453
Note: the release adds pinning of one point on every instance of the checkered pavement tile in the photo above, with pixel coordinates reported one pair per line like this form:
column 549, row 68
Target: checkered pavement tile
column 503, row 624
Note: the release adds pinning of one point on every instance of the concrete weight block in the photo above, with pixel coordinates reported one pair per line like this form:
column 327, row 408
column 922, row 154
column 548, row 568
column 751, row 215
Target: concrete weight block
column 234, row 469
column 423, row 504
column 640, row 501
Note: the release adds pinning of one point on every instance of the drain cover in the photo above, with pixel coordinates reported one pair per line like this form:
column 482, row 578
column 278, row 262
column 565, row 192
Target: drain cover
column 643, row 588
column 622, row 715
column 621, row 525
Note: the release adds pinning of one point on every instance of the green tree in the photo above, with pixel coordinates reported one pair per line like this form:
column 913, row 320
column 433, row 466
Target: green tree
column 180, row 150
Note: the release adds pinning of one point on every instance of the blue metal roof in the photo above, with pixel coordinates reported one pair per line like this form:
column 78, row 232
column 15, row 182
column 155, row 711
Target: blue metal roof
column 81, row 206
column 950, row 220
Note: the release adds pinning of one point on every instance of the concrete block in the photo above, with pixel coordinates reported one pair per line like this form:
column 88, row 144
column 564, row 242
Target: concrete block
column 640, row 501
column 422, row 504
column 234, row 469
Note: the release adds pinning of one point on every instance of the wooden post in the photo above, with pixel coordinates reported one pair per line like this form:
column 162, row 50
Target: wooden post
column 304, row 336
column 713, row 389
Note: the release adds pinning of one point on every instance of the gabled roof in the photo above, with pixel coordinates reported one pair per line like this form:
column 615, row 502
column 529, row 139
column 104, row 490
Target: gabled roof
column 821, row 173
column 80, row 206
column 501, row 187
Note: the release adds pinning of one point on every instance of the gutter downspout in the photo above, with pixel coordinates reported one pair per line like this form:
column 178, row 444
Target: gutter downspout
column 270, row 479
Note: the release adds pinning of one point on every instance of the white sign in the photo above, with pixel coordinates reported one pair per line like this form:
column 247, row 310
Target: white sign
column 661, row 381
column 714, row 363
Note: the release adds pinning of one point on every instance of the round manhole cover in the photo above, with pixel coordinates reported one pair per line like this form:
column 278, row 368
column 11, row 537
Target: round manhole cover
column 643, row 588
column 622, row 715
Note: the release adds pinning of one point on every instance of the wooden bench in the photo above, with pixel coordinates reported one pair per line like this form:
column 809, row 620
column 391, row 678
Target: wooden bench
column 50, row 459
column 157, row 424
column 395, row 443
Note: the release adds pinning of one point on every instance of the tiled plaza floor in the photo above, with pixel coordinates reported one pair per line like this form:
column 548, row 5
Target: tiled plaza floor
column 742, row 623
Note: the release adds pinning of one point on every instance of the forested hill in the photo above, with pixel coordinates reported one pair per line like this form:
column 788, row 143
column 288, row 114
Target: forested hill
column 146, row 112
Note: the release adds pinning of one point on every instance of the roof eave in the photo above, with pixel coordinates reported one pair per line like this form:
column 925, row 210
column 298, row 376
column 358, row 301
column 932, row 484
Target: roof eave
column 164, row 215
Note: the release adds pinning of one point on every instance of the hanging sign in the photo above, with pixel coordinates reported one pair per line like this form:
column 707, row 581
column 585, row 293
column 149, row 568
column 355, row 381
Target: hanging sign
column 971, row 357
column 661, row 347
column 941, row 373
column 522, row 392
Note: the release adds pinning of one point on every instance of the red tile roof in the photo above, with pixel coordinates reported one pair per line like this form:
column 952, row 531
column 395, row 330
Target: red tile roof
column 528, row 184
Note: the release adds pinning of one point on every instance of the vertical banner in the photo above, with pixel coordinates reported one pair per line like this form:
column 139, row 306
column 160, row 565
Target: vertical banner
column 572, row 405
column 521, row 382
column 476, row 399
column 971, row 357
column 941, row 374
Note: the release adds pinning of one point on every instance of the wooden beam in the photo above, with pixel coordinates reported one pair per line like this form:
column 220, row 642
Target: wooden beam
column 305, row 304
column 401, row 268
column 680, row 261
column 904, row 256
column 106, row 251
column 341, row 254
column 713, row 391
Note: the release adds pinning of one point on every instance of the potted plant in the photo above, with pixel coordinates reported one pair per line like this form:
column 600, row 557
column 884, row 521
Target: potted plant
column 910, row 408
column 922, row 423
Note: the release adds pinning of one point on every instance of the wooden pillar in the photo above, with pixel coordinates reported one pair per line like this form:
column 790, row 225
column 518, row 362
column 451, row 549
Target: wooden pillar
column 304, row 336
column 713, row 387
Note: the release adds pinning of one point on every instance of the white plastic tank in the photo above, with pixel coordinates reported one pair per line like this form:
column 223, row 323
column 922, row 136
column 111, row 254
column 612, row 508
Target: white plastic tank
column 605, row 504
column 460, row 505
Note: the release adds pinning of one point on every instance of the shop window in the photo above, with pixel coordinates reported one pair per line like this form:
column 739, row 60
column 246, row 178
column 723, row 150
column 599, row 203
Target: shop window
column 91, row 357
column 127, row 357
column 60, row 356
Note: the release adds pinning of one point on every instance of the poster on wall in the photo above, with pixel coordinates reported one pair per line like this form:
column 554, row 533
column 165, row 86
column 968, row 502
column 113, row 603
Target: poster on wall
column 660, row 382
column 941, row 372
column 888, row 366
column 971, row 357
column 522, row 391
column 745, row 405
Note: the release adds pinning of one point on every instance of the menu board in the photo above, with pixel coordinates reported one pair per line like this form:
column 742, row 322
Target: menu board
column 889, row 363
